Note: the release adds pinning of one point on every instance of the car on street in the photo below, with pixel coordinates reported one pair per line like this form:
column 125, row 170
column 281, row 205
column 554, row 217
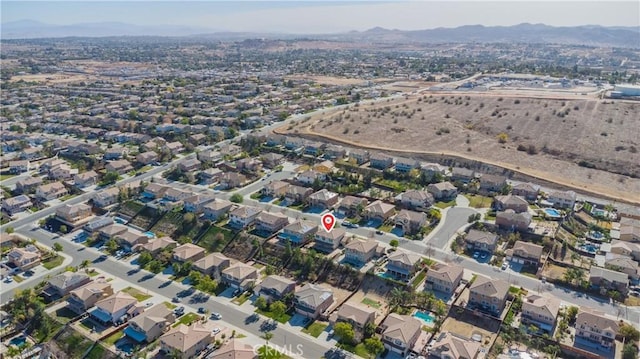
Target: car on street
column 216, row 315
column 176, row 299
column 201, row 310
column 379, row 232
column 148, row 304
column 9, row 279
column 179, row 311
column 505, row 265
column 349, row 225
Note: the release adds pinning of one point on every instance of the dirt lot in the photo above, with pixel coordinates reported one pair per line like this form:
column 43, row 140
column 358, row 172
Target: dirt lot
column 339, row 295
column 554, row 135
column 467, row 330
column 373, row 289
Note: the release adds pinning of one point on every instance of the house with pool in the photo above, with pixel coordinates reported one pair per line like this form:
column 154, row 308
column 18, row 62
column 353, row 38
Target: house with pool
column 151, row 324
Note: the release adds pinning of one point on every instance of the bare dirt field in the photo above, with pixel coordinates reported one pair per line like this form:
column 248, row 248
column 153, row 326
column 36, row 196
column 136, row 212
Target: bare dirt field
column 53, row 78
column 374, row 290
column 586, row 143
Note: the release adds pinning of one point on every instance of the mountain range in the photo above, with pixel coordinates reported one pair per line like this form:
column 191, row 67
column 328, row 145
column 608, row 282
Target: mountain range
column 522, row 33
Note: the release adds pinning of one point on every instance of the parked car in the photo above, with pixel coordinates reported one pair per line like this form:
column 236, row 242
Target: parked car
column 201, row 310
column 505, row 265
column 176, row 299
column 379, row 232
column 179, row 311
column 9, row 279
column 149, row 304
column 216, row 330
column 216, row 315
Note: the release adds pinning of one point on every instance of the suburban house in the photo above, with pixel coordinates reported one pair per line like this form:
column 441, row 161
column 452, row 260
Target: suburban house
column 189, row 341
column 119, row 166
column 210, row 175
column 624, row 264
column 72, row 214
column 62, row 284
column 488, row 294
column 151, row 324
column 158, row 244
column 240, row 275
column 327, row 242
column 323, row 198
column 461, row 174
column 356, row 315
column 379, row 211
column 299, row 232
column 147, row 158
column 24, row 258
column 360, row 156
column 410, row 221
column 607, row 279
column 155, row 190
column 106, row 198
column 275, row 189
column 360, row 252
column 115, row 153
column 111, row 231
column 594, row 328
column 630, row 230
column 444, row 278
column 449, row 345
column 232, row 180
column 189, row 165
column 234, row 349
column 272, row 160
column 275, row 287
column 209, row 156
column 481, row 241
column 16, row 204
column 516, row 203
column 130, row 240
column 324, row 167
column 82, row 299
column 115, row 309
column 492, row 183
column 416, row 199
column 350, row 206
column 249, row 164
column 187, row 252
column 28, row 185
column 297, row 194
column 628, row 249
column 443, row 191
column 17, row 167
column 196, row 203
column 402, row 264
column 528, row 191
column 334, row 152
column 525, row 253
column 400, row 333
column 405, row 165
column 216, row 209
column 243, row 216
column 51, row 191
column 540, row 311
column 271, row 222
column 85, row 179
column 380, row 161
column 432, row 171
column 175, row 194
column 174, row 147
column 514, row 221
column 312, row 300
column 213, row 264
column 63, row 172
column 563, row 199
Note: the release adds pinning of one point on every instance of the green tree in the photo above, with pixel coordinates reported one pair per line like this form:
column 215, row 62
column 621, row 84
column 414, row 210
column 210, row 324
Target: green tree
column 278, row 309
column 629, row 332
column 9, row 230
column 260, row 303
column 144, row 259
column 155, row 266
column 267, row 336
column 63, row 229
column 629, row 351
column 394, row 243
column 369, row 329
column 236, row 198
column 112, row 245
column 374, row 346
column 572, row 312
column 57, row 247
column 109, row 178
column 345, row 332
column 85, row 263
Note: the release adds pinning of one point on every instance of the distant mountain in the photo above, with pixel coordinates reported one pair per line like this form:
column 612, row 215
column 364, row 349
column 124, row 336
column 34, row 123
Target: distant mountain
column 522, row 33
column 29, row 29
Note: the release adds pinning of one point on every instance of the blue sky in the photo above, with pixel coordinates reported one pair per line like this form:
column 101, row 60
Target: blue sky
column 325, row 16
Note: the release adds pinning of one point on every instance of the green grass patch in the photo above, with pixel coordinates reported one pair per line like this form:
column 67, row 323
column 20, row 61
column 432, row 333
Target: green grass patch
column 113, row 338
column 5, row 177
column 370, row 302
column 209, row 241
column 169, row 305
column 386, row 228
column 396, row 186
column 358, row 350
column 443, row 205
column 242, row 298
column 53, row 262
column 136, row 294
column 277, row 202
column 298, row 207
column 315, row 329
column 478, row 201
column 18, row 279
column 67, row 197
column 418, row 279
column 64, row 315
column 97, row 352
column 93, row 273
column 269, row 352
column 514, row 290
column 187, row 319
column 256, row 195
column 284, row 318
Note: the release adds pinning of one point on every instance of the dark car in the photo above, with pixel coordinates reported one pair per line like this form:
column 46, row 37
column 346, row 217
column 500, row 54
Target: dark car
column 379, row 232
column 201, row 310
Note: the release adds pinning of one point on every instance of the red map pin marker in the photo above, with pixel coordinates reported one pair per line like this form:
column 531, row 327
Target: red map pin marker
column 328, row 221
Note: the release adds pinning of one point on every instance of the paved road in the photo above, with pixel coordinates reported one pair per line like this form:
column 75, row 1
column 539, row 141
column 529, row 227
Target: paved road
column 454, row 219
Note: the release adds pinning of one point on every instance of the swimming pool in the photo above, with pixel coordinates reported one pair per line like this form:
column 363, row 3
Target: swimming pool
column 589, row 248
column 424, row 316
column 149, row 234
column 552, row 212
column 19, row 341
column 386, row 275
column 119, row 220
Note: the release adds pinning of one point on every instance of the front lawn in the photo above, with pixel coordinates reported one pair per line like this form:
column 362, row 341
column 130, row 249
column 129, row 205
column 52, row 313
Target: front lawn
column 315, row 329
column 478, row 201
column 187, row 319
column 358, row 350
column 169, row 305
column 18, row 278
column 256, row 195
column 53, row 262
column 443, row 205
column 386, row 228
column 242, row 298
column 136, row 294
column 4, row 177
column 113, row 338
column 284, row 318
column 418, row 279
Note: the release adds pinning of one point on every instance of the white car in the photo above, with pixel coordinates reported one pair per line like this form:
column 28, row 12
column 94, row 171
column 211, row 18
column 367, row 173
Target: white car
column 215, row 330
column 8, row 280
column 505, row 265
column 216, row 315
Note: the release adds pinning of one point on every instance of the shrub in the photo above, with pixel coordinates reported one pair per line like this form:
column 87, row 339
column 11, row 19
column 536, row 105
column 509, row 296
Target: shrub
column 503, row 137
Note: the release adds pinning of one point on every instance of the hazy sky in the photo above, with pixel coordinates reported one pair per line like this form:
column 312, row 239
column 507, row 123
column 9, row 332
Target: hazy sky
column 325, row 16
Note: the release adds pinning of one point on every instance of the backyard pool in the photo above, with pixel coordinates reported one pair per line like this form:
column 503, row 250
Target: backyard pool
column 149, row 234
column 119, row 220
column 386, row 275
column 595, row 235
column 591, row 248
column 552, row 212
column 18, row 341
column 424, row 316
